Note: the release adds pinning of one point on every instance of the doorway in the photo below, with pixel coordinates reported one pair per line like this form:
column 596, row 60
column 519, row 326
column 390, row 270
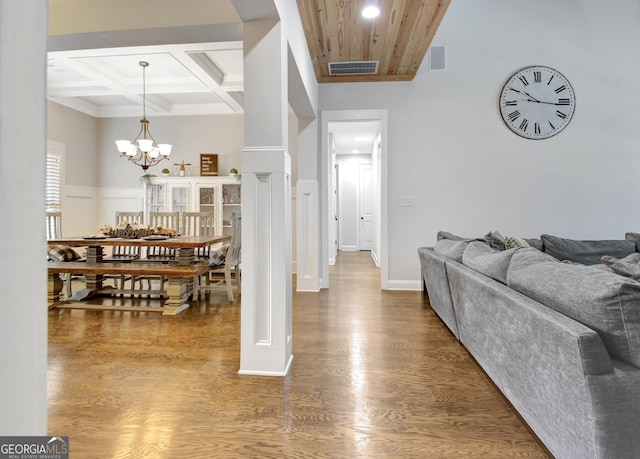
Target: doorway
column 365, row 171
column 355, row 201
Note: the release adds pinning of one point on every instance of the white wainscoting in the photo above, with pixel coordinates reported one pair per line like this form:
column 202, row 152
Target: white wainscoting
column 85, row 209
column 118, row 199
column 79, row 210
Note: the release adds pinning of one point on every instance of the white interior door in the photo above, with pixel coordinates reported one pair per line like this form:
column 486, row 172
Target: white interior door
column 336, row 201
column 366, row 207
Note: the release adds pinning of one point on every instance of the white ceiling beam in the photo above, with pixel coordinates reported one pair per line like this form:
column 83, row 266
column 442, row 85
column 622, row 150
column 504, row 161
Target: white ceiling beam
column 107, row 77
column 206, row 79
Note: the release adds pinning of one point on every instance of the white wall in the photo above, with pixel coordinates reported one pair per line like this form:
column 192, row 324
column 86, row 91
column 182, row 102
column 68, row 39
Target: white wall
column 189, row 135
column 467, row 173
column 77, row 134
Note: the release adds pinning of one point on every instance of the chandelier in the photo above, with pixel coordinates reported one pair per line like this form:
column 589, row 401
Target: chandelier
column 144, row 151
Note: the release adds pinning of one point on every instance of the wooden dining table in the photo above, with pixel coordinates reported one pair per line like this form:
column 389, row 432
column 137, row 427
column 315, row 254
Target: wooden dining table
column 180, row 285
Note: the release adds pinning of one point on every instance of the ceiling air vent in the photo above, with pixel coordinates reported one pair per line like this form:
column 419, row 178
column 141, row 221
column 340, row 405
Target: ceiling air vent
column 353, row 68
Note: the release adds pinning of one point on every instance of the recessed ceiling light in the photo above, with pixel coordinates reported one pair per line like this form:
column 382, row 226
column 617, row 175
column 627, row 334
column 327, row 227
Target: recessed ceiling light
column 355, row 151
column 370, row 12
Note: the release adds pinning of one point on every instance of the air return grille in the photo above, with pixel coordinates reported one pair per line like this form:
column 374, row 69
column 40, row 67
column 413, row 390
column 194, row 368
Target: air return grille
column 353, row 68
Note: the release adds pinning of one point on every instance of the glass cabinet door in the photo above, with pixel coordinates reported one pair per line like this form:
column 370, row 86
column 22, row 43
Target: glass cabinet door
column 231, row 200
column 156, row 197
column 179, row 195
column 208, row 196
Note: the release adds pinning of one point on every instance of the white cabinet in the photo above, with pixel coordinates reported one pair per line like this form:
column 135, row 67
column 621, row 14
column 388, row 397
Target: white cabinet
column 218, row 195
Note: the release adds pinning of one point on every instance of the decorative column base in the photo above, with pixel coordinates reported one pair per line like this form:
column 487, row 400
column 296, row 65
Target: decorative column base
column 266, row 329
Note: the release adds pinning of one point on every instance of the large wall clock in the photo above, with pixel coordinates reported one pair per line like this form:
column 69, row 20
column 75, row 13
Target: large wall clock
column 537, row 102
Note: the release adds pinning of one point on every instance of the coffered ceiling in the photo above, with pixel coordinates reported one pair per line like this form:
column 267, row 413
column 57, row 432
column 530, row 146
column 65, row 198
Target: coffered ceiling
column 95, row 71
column 207, row 78
column 202, row 78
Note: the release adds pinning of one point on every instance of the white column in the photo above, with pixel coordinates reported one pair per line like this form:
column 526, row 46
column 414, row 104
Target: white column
column 308, row 211
column 307, row 236
column 23, row 275
column 266, row 324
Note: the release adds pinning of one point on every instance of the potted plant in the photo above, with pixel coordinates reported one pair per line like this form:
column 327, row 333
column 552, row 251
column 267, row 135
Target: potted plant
column 165, row 172
column 234, row 173
column 146, row 179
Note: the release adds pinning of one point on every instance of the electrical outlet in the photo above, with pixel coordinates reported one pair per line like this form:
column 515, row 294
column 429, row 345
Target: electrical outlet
column 406, row 201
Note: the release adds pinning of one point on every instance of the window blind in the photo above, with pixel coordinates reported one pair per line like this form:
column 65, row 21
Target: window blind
column 53, row 182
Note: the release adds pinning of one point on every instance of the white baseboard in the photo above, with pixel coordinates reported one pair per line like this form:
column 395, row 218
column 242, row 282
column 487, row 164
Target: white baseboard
column 405, row 285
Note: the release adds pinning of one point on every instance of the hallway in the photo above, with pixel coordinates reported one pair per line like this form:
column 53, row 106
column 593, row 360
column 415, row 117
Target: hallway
column 375, row 374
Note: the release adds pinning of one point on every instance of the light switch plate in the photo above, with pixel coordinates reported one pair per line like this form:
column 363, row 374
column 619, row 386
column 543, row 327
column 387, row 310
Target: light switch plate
column 406, row 201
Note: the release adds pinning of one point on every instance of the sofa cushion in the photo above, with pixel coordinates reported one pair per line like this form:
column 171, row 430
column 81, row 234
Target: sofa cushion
column 451, row 248
column 586, row 252
column 537, row 243
column 486, row 260
column 627, row 266
column 601, row 300
column 448, row 235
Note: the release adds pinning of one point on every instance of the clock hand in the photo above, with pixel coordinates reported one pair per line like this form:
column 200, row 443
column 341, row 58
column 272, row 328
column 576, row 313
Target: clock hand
column 534, row 99
column 544, row 102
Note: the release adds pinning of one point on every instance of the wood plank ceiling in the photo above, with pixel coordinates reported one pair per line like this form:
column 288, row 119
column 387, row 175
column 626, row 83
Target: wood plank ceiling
column 398, row 38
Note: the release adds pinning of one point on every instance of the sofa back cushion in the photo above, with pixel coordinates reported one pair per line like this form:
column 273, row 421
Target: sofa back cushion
column 486, row 260
column 451, row 248
column 604, row 301
column 633, row 237
column 586, row 252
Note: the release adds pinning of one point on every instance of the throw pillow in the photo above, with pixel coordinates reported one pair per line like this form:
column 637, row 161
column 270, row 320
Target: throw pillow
column 219, row 255
column 512, row 242
column 62, row 253
column 495, row 240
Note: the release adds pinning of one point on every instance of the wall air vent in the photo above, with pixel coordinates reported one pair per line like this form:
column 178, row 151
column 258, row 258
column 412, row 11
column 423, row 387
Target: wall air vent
column 353, row 68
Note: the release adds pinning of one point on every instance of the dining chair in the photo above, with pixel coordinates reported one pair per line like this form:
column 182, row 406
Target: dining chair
column 125, row 253
column 54, row 225
column 129, row 217
column 167, row 220
column 170, row 220
column 224, row 262
column 199, row 224
column 60, row 253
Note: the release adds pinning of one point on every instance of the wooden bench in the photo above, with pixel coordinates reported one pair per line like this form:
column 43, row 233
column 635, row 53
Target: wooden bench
column 183, row 279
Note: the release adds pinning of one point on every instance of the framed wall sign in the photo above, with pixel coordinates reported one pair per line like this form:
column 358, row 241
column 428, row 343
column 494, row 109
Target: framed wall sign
column 208, row 164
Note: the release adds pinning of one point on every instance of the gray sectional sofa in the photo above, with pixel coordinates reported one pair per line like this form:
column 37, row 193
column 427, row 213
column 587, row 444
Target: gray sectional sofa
column 556, row 330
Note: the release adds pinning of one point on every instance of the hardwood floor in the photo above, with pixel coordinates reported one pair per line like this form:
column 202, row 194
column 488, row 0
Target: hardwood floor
column 375, row 375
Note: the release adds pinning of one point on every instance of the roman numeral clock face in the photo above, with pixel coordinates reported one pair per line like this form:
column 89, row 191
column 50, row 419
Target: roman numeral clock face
column 537, row 102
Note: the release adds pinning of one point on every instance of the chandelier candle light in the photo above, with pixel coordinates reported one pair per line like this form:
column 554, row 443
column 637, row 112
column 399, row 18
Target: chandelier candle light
column 144, row 151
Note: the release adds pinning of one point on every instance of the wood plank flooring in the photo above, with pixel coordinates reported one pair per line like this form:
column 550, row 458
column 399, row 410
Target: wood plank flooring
column 375, row 375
